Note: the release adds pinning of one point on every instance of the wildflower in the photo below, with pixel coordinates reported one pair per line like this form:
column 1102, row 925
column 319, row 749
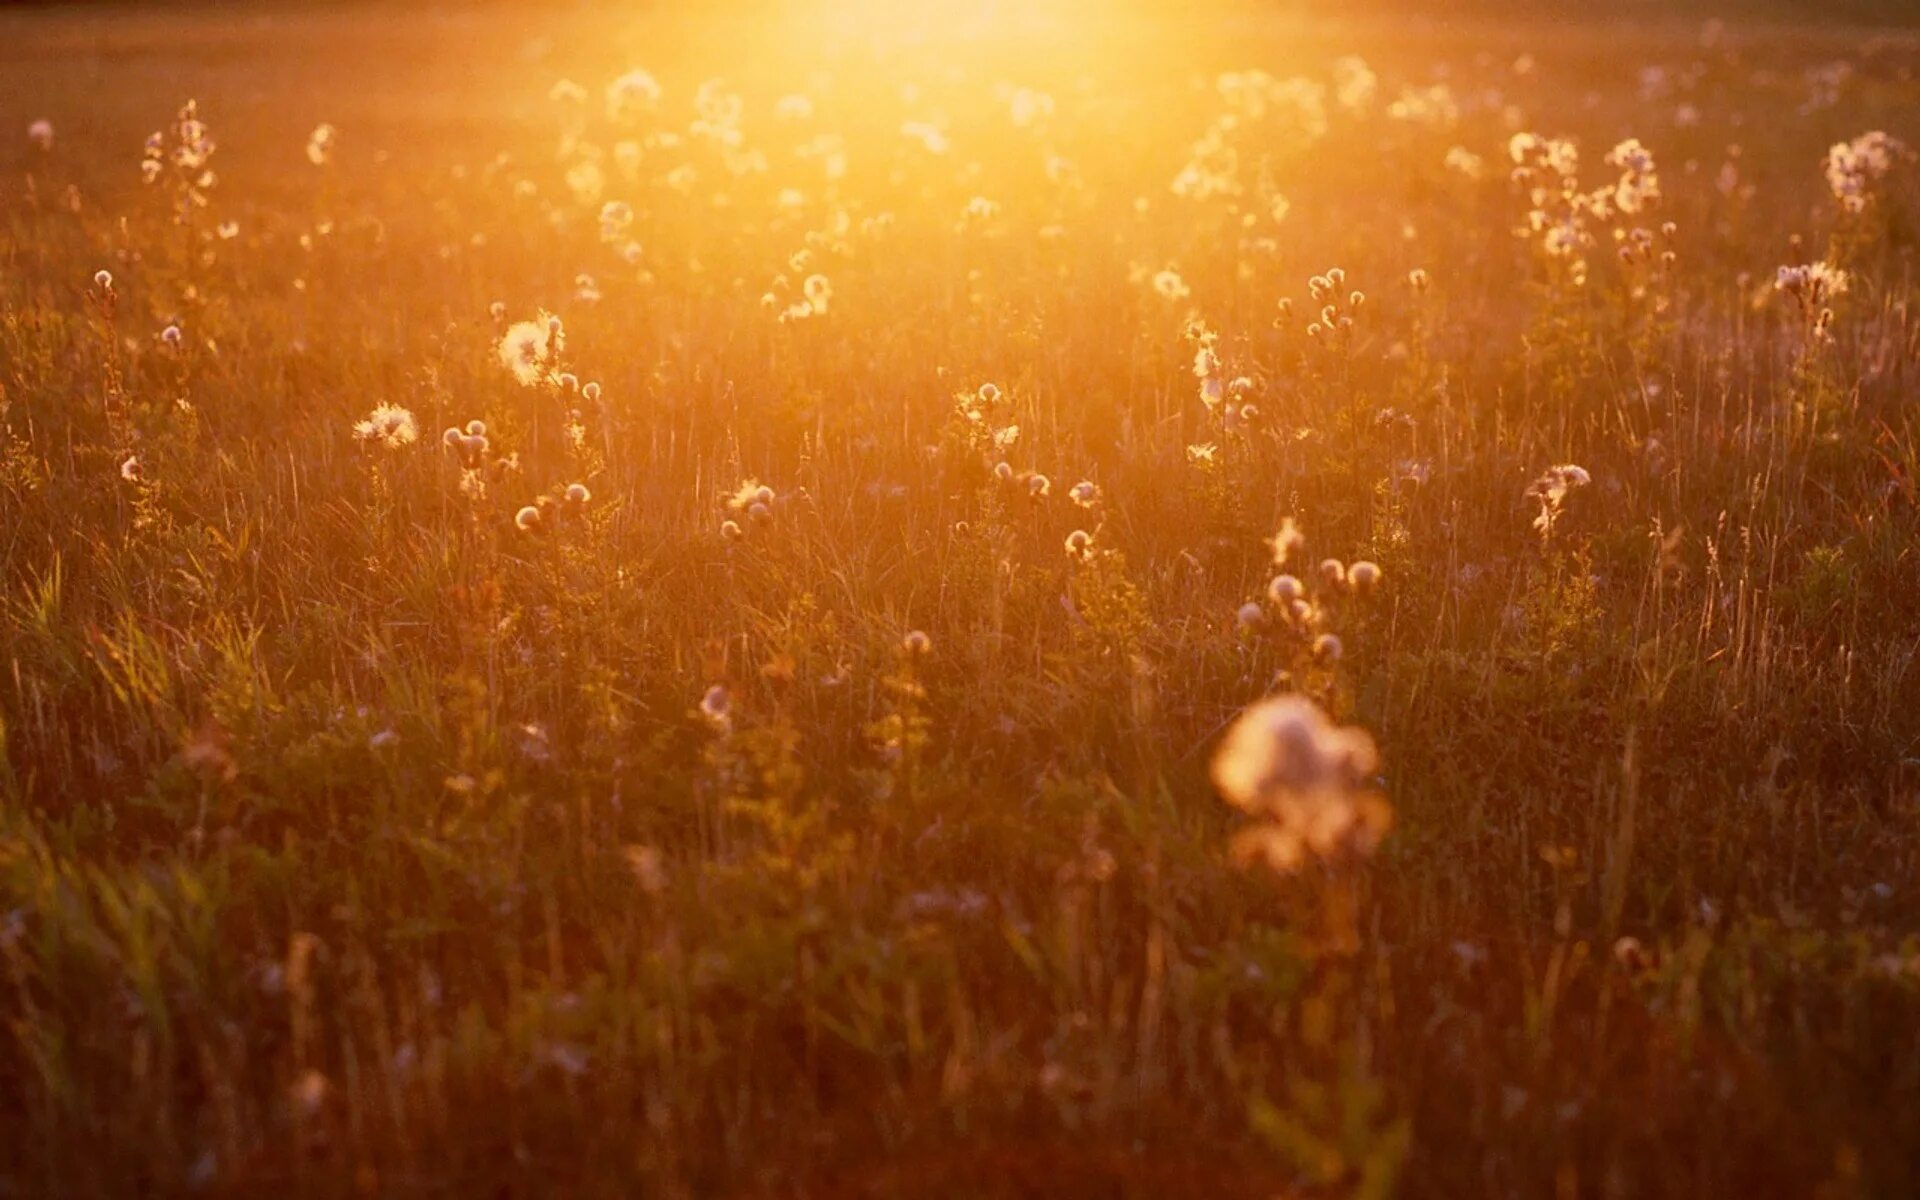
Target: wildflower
column 1813, row 284
column 631, row 95
column 171, row 336
column 130, row 469
column 1079, row 544
column 1417, row 278
column 818, row 292
column 590, row 392
column 1327, row 648
column 731, row 531
column 1084, row 493
column 1003, row 471
column 1170, row 286
column 1333, row 573
column 534, row 742
column 526, row 350
column 1551, row 490
column 577, row 493
column 1250, row 616
column 1285, row 542
column 1363, row 576
column 320, row 145
column 527, row 520
column 1854, row 168
column 1305, row 780
column 103, row 280
column 1284, row 590
column 389, row 424
column 751, row 492
column 1039, row 486
column 717, row 707
column 916, row 644
column 989, row 394
column 1465, row 162
column 40, row 133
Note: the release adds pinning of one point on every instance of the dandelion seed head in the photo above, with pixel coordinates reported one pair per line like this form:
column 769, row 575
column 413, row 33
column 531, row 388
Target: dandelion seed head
column 916, row 644
column 390, row 425
column 577, row 493
column 525, row 349
column 818, row 292
column 1363, row 576
column 716, row 706
column 527, row 520
column 320, row 145
column 1304, row 780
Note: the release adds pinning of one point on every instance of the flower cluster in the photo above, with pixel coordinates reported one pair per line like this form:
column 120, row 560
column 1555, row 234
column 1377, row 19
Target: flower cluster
column 1855, row 168
column 1562, row 217
column 562, row 505
column 1813, row 286
column 182, row 152
column 531, row 350
column 389, row 425
column 754, row 501
column 1308, row 783
column 1334, row 325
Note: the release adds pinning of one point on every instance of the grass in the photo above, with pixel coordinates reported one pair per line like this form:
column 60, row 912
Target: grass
column 354, row 839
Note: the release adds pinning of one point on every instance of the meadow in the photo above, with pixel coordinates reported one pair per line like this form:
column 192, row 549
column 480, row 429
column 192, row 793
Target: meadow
column 853, row 600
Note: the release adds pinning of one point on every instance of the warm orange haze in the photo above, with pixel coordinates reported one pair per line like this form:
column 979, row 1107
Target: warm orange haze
column 879, row 600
